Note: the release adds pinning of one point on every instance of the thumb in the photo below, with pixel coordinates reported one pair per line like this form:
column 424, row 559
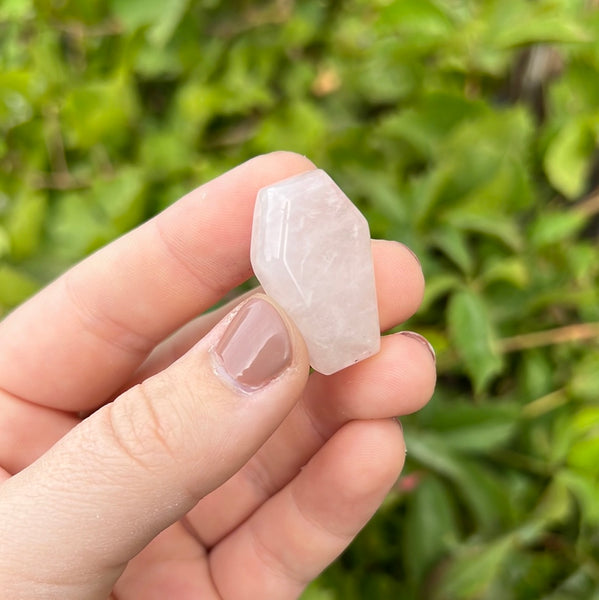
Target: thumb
column 73, row 519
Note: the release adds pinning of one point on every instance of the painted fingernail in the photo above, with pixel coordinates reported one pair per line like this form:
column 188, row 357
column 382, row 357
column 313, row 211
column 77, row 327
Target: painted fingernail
column 255, row 347
column 422, row 340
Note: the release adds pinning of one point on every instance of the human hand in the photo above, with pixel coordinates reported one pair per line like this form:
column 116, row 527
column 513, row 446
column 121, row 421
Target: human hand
column 179, row 483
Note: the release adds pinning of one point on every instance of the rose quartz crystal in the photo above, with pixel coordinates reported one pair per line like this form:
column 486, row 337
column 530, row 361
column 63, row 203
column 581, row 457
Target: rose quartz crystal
column 311, row 253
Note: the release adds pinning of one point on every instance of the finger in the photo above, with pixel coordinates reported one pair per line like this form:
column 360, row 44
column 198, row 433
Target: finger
column 399, row 284
column 399, row 281
column 139, row 464
column 28, row 430
column 302, row 529
column 79, row 339
column 173, row 565
column 398, row 380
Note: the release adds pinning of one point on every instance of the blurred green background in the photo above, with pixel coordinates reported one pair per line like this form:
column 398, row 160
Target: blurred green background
column 465, row 129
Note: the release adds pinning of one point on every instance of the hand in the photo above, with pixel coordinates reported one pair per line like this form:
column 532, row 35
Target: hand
column 181, row 482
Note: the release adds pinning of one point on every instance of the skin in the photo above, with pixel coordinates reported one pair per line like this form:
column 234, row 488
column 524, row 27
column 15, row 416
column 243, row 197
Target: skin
column 177, row 484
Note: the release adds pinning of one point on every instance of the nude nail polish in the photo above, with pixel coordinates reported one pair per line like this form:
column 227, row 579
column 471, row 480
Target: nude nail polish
column 255, row 348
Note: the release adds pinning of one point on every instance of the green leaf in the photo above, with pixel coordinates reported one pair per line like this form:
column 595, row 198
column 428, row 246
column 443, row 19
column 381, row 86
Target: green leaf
column 163, row 28
column 473, row 335
column 509, row 270
column 581, row 584
column 482, row 492
column 381, row 193
column 15, row 286
column 100, row 111
column 416, row 17
column 554, row 508
column 122, row 198
column 473, row 572
column 498, row 226
column 25, row 222
column 315, row 591
column 541, row 28
column 15, row 98
column 535, row 376
column 551, row 228
column 4, row 243
column 509, row 189
column 490, row 145
column 584, row 383
column 438, row 286
column 582, row 260
column 583, row 454
column 567, row 161
column 136, row 13
column 166, row 153
column 585, row 489
column 161, row 17
column 78, row 227
column 453, row 244
column 426, row 125
column 431, row 526
column 477, row 429
column 304, row 125
column 576, row 93
column 16, row 10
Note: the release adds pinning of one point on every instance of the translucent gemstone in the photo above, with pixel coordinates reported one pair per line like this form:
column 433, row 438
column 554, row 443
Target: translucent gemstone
column 311, row 253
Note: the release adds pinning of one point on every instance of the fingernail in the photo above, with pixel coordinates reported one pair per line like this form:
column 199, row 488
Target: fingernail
column 400, row 425
column 422, row 340
column 411, row 252
column 255, row 347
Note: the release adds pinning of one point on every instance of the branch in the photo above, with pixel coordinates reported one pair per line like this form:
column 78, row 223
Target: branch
column 550, row 337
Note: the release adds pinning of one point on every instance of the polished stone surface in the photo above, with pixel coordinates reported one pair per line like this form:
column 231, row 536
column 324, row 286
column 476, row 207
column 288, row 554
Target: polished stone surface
column 311, row 253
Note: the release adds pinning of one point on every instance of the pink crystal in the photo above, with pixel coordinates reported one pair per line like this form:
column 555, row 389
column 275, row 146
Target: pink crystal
column 311, row 253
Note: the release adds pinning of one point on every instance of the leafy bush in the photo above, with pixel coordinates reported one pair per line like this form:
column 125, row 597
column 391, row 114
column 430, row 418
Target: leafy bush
column 465, row 129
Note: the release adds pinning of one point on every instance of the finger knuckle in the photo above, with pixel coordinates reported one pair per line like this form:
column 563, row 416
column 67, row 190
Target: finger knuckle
column 145, row 427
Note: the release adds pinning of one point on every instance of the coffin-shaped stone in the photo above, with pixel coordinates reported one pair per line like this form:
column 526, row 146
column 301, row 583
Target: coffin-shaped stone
column 311, row 253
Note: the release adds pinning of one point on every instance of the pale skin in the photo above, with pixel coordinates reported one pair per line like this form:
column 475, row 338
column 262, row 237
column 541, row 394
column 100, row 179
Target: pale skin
column 131, row 469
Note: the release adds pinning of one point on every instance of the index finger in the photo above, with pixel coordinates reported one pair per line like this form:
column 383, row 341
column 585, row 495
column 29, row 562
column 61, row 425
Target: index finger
column 79, row 339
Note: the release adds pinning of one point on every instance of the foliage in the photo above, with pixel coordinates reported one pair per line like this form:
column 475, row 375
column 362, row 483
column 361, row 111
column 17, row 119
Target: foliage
column 465, row 129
